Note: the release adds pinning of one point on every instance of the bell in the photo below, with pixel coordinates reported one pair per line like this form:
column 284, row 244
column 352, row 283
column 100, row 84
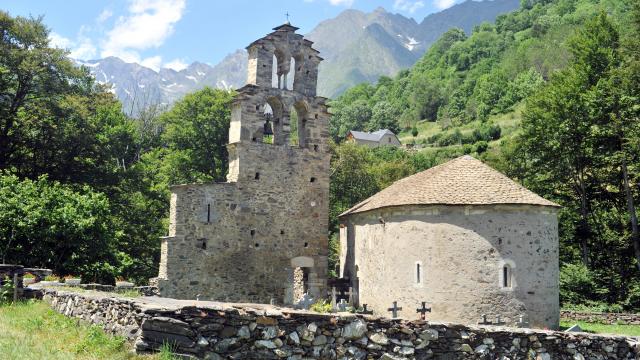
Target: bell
column 267, row 126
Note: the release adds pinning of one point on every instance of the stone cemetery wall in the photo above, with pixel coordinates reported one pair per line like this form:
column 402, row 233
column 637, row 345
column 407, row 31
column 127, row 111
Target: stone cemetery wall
column 603, row 318
column 15, row 275
column 213, row 330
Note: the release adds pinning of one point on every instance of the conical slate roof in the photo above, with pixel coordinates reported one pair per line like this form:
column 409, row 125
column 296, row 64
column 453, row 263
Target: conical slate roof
column 462, row 181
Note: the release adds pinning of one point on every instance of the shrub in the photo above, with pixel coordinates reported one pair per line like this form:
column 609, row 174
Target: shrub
column 487, row 132
column 578, row 285
column 481, row 146
column 6, row 290
column 414, row 131
column 321, row 306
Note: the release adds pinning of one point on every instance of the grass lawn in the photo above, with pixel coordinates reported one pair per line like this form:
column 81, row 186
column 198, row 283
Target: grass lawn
column 31, row 330
column 630, row 330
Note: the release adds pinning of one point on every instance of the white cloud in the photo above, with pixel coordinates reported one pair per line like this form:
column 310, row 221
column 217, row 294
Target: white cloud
column 443, row 4
column 409, row 6
column 153, row 62
column 148, row 24
column 104, row 16
column 82, row 48
column 59, row 41
column 176, row 64
column 341, row 2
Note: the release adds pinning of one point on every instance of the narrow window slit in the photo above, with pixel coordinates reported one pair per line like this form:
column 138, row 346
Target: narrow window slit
column 506, row 276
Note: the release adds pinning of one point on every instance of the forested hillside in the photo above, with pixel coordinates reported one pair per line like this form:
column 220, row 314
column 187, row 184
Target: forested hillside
column 548, row 95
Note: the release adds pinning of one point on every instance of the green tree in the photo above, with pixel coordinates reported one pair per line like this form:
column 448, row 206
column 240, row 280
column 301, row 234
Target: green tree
column 347, row 117
column 351, row 181
column 559, row 129
column 383, row 116
column 46, row 224
column 196, row 135
column 33, row 79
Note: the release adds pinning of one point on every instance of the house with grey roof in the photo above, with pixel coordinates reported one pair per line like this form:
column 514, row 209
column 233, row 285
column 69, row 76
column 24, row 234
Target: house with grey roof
column 382, row 137
column 461, row 237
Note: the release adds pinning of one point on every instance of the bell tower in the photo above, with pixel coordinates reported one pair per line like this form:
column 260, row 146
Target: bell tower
column 262, row 235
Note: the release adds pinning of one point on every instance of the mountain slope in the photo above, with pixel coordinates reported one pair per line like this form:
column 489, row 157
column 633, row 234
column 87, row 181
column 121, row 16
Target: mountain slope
column 349, row 62
column 357, row 47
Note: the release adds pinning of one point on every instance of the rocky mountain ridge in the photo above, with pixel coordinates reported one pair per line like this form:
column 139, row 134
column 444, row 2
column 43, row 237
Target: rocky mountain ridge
column 357, row 47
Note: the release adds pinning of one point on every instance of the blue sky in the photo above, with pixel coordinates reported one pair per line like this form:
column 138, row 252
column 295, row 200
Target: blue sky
column 174, row 33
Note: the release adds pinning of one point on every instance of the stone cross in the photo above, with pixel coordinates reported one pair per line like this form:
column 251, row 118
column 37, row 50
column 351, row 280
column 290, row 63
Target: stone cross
column 334, row 307
column 484, row 320
column 423, row 311
column 523, row 322
column 350, row 293
column 394, row 309
column 365, row 310
column 287, row 15
column 498, row 321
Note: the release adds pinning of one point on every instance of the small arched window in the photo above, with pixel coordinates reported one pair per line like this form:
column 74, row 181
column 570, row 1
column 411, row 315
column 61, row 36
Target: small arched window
column 506, row 276
column 418, row 273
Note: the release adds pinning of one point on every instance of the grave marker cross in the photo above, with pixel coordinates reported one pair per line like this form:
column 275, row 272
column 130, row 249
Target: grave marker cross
column 499, row 321
column 424, row 310
column 394, row 309
column 365, row 310
column 484, row 320
column 334, row 307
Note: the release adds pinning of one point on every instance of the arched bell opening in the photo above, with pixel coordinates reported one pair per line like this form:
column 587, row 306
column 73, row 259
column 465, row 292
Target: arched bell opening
column 274, row 72
column 290, row 77
column 282, row 68
column 298, row 121
column 267, row 126
column 270, row 126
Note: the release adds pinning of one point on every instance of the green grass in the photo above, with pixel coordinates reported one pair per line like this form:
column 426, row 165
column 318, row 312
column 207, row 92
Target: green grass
column 629, row 330
column 33, row 331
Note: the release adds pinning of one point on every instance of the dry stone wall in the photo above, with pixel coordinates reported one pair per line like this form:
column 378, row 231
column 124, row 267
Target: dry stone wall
column 213, row 330
column 603, row 318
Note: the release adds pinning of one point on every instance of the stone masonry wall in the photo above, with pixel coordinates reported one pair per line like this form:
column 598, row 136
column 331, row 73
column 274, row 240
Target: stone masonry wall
column 461, row 251
column 241, row 331
column 243, row 240
column 603, row 318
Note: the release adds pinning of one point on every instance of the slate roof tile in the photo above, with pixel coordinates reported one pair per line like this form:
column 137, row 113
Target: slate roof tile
column 462, row 181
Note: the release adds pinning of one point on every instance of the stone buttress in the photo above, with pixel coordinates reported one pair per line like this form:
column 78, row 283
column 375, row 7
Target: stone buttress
column 262, row 235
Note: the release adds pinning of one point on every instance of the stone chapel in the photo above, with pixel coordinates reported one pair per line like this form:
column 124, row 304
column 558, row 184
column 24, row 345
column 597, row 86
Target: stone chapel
column 261, row 236
column 461, row 237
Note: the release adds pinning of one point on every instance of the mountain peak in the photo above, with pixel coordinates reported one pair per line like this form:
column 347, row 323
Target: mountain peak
column 357, row 47
column 379, row 10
